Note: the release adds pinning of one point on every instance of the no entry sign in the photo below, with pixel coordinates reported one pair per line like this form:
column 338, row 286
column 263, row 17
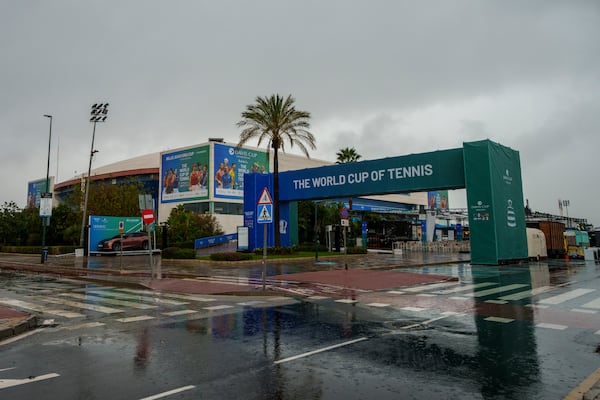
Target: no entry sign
column 148, row 216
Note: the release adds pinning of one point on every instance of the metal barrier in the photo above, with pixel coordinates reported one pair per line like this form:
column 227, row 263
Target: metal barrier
column 434, row 247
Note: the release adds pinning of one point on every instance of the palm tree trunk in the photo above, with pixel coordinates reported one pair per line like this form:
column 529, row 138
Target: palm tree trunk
column 276, row 197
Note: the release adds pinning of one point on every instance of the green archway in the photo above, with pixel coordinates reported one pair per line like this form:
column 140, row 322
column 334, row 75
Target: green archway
column 490, row 172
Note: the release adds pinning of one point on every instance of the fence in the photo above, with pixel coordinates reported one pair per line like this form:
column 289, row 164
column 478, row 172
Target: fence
column 433, row 247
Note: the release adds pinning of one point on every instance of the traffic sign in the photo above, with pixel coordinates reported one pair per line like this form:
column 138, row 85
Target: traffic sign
column 148, row 216
column 121, row 227
column 265, row 197
column 265, row 213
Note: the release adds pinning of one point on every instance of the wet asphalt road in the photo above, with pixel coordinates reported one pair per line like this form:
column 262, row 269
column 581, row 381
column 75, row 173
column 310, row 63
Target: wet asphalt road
column 482, row 337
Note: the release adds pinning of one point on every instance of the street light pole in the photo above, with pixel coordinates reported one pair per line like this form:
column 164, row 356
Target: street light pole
column 45, row 218
column 98, row 114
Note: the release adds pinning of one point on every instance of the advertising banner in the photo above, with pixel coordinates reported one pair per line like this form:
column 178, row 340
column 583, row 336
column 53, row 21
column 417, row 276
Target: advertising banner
column 185, row 175
column 102, row 227
column 35, row 190
column 413, row 173
column 231, row 164
column 438, row 200
column 495, row 203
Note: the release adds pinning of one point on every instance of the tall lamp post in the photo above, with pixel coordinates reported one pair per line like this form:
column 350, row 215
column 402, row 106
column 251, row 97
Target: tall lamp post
column 46, row 200
column 566, row 204
column 98, row 114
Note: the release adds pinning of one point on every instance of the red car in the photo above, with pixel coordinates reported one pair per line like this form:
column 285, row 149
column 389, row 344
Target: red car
column 129, row 241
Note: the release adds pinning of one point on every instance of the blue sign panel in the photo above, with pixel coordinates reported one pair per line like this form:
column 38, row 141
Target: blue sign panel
column 413, row 173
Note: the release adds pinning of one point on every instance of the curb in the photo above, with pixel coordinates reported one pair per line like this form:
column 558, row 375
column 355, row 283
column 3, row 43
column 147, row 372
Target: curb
column 26, row 324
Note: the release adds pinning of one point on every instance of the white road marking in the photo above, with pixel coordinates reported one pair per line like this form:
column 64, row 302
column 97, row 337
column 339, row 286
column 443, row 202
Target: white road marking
column 592, row 304
column 180, row 312
column 135, row 319
column 496, row 301
column 6, row 383
column 251, row 303
column 22, row 336
column 310, row 353
column 464, row 288
column 500, row 289
column 149, row 297
column 34, row 307
column 169, row 393
column 551, row 326
column 106, row 300
column 378, row 305
column 83, row 326
column 395, row 292
column 85, row 306
column 527, row 293
column 570, row 295
column 423, row 288
column 458, row 298
column 346, row 301
column 7, row 369
column 584, row 311
column 540, row 306
column 215, row 308
column 499, row 319
column 426, row 295
column 318, row 298
column 414, row 309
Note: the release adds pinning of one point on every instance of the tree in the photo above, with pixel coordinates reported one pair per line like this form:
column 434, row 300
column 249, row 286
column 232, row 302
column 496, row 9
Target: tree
column 186, row 226
column 275, row 120
column 347, row 155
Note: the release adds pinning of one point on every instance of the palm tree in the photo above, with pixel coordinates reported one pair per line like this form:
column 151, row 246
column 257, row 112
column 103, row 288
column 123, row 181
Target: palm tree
column 347, row 155
column 275, row 120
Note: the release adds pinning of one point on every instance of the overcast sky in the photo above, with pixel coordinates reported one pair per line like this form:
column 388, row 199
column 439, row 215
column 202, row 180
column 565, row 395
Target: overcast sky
column 385, row 77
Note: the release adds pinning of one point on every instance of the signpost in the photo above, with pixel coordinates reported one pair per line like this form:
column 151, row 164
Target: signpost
column 148, row 219
column 264, row 210
column 121, row 231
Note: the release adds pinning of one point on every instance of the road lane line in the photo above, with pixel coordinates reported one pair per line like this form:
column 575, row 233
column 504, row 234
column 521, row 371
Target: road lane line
column 551, row 326
column 464, row 288
column 215, row 308
column 310, row 353
column 135, row 319
column 6, row 383
column 500, row 289
column 169, row 393
column 499, row 319
column 83, row 326
column 114, row 302
column 570, row 295
column 142, row 296
column 592, row 304
column 21, row 336
column 378, row 305
column 414, row 309
column 346, row 301
column 85, row 306
column 431, row 286
column 34, row 307
column 527, row 293
column 180, row 312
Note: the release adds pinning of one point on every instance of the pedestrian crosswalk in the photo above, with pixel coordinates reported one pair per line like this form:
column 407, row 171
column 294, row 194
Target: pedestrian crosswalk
column 548, row 307
column 79, row 307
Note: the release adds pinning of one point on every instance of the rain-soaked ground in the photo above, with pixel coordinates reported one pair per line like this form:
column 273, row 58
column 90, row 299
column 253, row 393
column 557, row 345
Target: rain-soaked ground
column 510, row 332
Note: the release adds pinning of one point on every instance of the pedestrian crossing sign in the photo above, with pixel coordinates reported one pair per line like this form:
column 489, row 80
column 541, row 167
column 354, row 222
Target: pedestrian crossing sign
column 265, row 214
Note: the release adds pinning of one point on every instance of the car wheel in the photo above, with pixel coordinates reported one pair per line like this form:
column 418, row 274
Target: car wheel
column 145, row 245
column 117, row 246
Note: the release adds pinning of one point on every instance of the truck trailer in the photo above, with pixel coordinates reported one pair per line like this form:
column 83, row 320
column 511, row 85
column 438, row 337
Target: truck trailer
column 554, row 233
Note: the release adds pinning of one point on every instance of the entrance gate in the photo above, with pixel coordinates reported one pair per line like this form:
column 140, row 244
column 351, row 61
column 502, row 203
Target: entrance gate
column 490, row 172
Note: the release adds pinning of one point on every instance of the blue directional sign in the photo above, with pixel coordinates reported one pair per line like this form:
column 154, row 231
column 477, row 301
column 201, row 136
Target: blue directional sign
column 264, row 213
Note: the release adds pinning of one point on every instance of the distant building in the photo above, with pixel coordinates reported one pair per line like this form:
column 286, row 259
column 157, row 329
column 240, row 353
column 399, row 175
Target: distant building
column 208, row 178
